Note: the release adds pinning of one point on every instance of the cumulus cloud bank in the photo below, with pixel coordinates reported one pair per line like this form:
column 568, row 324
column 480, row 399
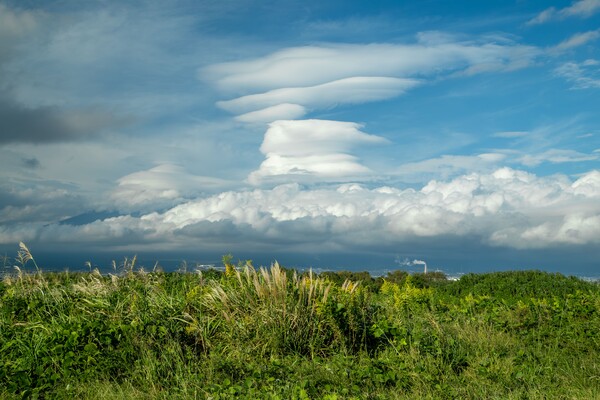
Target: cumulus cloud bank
column 506, row 207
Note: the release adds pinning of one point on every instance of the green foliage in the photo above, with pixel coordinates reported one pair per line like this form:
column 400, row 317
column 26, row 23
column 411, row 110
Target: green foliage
column 275, row 333
column 514, row 285
column 363, row 278
column 279, row 312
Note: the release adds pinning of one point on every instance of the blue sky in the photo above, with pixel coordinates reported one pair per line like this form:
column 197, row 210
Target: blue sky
column 322, row 133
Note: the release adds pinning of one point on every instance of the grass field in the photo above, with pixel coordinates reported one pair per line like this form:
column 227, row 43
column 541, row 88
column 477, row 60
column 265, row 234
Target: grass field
column 278, row 334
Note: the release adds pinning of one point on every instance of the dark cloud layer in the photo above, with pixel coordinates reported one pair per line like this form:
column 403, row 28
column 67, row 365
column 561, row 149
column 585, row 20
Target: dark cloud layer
column 51, row 124
column 31, row 162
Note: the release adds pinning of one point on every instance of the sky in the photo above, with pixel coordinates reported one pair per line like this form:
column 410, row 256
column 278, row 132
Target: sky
column 326, row 134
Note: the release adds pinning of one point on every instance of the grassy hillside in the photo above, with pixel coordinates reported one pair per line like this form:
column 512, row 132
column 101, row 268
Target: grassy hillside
column 274, row 333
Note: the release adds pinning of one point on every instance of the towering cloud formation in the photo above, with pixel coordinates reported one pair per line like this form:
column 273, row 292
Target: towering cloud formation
column 312, row 150
column 288, row 84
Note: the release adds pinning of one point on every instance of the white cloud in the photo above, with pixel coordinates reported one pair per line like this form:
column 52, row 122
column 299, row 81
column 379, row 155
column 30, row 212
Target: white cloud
column 545, row 16
column 312, row 150
column 37, row 200
column 344, row 91
column 302, row 138
column 503, row 208
column 310, row 168
column 510, row 134
column 581, row 9
column 555, row 156
column 292, row 82
column 327, row 75
column 588, row 184
column 128, row 58
column 585, row 75
column 273, row 113
column 315, row 65
column 577, row 40
column 160, row 186
column 447, row 166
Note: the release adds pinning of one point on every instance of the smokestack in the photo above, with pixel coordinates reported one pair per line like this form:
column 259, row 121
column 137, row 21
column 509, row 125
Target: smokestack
column 421, row 262
column 407, row 262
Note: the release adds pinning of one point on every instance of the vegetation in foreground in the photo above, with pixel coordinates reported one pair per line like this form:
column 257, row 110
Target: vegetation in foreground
column 278, row 334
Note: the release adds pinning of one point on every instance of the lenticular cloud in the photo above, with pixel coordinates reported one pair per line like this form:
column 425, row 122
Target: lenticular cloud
column 312, row 150
column 324, row 76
